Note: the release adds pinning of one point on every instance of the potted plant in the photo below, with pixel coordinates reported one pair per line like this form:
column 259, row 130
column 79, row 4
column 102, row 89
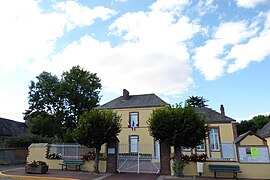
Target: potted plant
column 39, row 167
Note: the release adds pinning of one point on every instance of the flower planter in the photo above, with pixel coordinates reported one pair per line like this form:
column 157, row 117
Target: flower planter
column 40, row 169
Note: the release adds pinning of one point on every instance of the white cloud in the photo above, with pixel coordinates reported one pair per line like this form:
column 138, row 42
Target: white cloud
column 233, row 32
column 153, row 58
column 155, row 27
column 172, row 5
column 79, row 15
column 26, row 33
column 129, row 66
column 29, row 35
column 207, row 61
column 255, row 49
column 208, row 58
column 205, row 6
column 250, row 3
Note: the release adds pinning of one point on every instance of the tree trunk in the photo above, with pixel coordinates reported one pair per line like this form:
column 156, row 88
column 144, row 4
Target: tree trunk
column 96, row 169
column 178, row 162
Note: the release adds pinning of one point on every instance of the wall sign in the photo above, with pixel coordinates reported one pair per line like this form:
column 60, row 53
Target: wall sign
column 111, row 150
column 253, row 154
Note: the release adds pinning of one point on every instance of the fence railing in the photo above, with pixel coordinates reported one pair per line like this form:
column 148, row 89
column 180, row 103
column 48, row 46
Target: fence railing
column 75, row 151
column 72, row 151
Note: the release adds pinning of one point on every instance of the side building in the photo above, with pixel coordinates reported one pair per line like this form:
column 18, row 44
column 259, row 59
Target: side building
column 265, row 133
column 10, row 128
column 219, row 144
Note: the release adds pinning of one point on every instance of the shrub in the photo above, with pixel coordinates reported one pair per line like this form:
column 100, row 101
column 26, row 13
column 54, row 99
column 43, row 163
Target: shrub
column 25, row 141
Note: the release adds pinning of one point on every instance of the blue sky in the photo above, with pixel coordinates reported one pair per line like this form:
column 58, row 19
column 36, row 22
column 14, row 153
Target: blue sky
column 173, row 48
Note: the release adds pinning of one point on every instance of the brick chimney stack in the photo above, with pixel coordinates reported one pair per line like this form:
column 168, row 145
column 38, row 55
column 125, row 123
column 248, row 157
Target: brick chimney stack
column 222, row 110
column 125, row 94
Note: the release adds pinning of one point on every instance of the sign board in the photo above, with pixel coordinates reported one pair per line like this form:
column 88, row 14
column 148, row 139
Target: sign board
column 253, row 154
column 111, row 150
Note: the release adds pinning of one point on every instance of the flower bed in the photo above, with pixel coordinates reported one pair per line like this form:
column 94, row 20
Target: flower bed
column 37, row 167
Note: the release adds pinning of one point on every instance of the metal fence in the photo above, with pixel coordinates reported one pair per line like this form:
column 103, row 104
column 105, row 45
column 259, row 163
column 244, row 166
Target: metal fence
column 72, row 151
column 139, row 158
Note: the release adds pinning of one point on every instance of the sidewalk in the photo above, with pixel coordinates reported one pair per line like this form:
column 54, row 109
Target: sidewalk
column 18, row 172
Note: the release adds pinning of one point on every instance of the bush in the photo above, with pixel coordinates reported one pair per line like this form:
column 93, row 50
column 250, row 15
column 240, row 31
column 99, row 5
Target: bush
column 193, row 158
column 25, row 141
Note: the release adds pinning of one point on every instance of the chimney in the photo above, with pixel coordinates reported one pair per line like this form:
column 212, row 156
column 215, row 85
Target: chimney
column 125, row 94
column 222, row 110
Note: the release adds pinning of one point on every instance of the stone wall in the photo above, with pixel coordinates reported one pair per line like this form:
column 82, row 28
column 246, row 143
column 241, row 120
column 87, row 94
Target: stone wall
column 13, row 155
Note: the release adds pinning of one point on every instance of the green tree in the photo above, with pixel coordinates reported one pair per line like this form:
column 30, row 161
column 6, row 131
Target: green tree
column 45, row 103
column 196, row 101
column 96, row 127
column 44, row 124
column 81, row 93
column 255, row 124
column 56, row 104
column 178, row 127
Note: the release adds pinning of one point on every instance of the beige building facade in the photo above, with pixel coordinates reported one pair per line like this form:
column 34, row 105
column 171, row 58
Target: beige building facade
column 135, row 111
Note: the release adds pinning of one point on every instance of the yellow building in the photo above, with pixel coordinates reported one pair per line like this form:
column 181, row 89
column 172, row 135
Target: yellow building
column 135, row 111
column 219, row 144
column 138, row 151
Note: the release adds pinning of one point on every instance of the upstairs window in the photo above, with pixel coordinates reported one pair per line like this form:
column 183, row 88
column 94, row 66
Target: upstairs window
column 214, row 139
column 133, row 122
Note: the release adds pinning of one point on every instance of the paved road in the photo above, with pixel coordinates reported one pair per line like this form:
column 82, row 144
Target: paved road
column 4, row 167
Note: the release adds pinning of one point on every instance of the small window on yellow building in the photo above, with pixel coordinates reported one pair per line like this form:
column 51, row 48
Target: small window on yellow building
column 201, row 147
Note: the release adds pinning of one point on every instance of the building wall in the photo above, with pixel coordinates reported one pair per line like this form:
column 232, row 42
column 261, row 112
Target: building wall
column 251, row 140
column 141, row 131
column 268, row 142
column 226, row 131
column 226, row 135
column 251, row 170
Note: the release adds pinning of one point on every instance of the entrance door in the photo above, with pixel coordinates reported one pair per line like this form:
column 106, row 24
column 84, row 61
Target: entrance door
column 133, row 144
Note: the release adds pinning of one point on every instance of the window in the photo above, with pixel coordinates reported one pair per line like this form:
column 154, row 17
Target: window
column 201, row 147
column 133, row 120
column 214, row 139
column 133, row 141
column 186, row 149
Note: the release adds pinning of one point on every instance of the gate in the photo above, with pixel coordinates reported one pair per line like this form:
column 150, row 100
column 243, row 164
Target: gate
column 139, row 158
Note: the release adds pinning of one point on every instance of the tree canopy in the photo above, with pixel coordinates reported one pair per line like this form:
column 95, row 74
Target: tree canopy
column 56, row 104
column 255, row 124
column 96, row 127
column 178, row 127
column 196, row 101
